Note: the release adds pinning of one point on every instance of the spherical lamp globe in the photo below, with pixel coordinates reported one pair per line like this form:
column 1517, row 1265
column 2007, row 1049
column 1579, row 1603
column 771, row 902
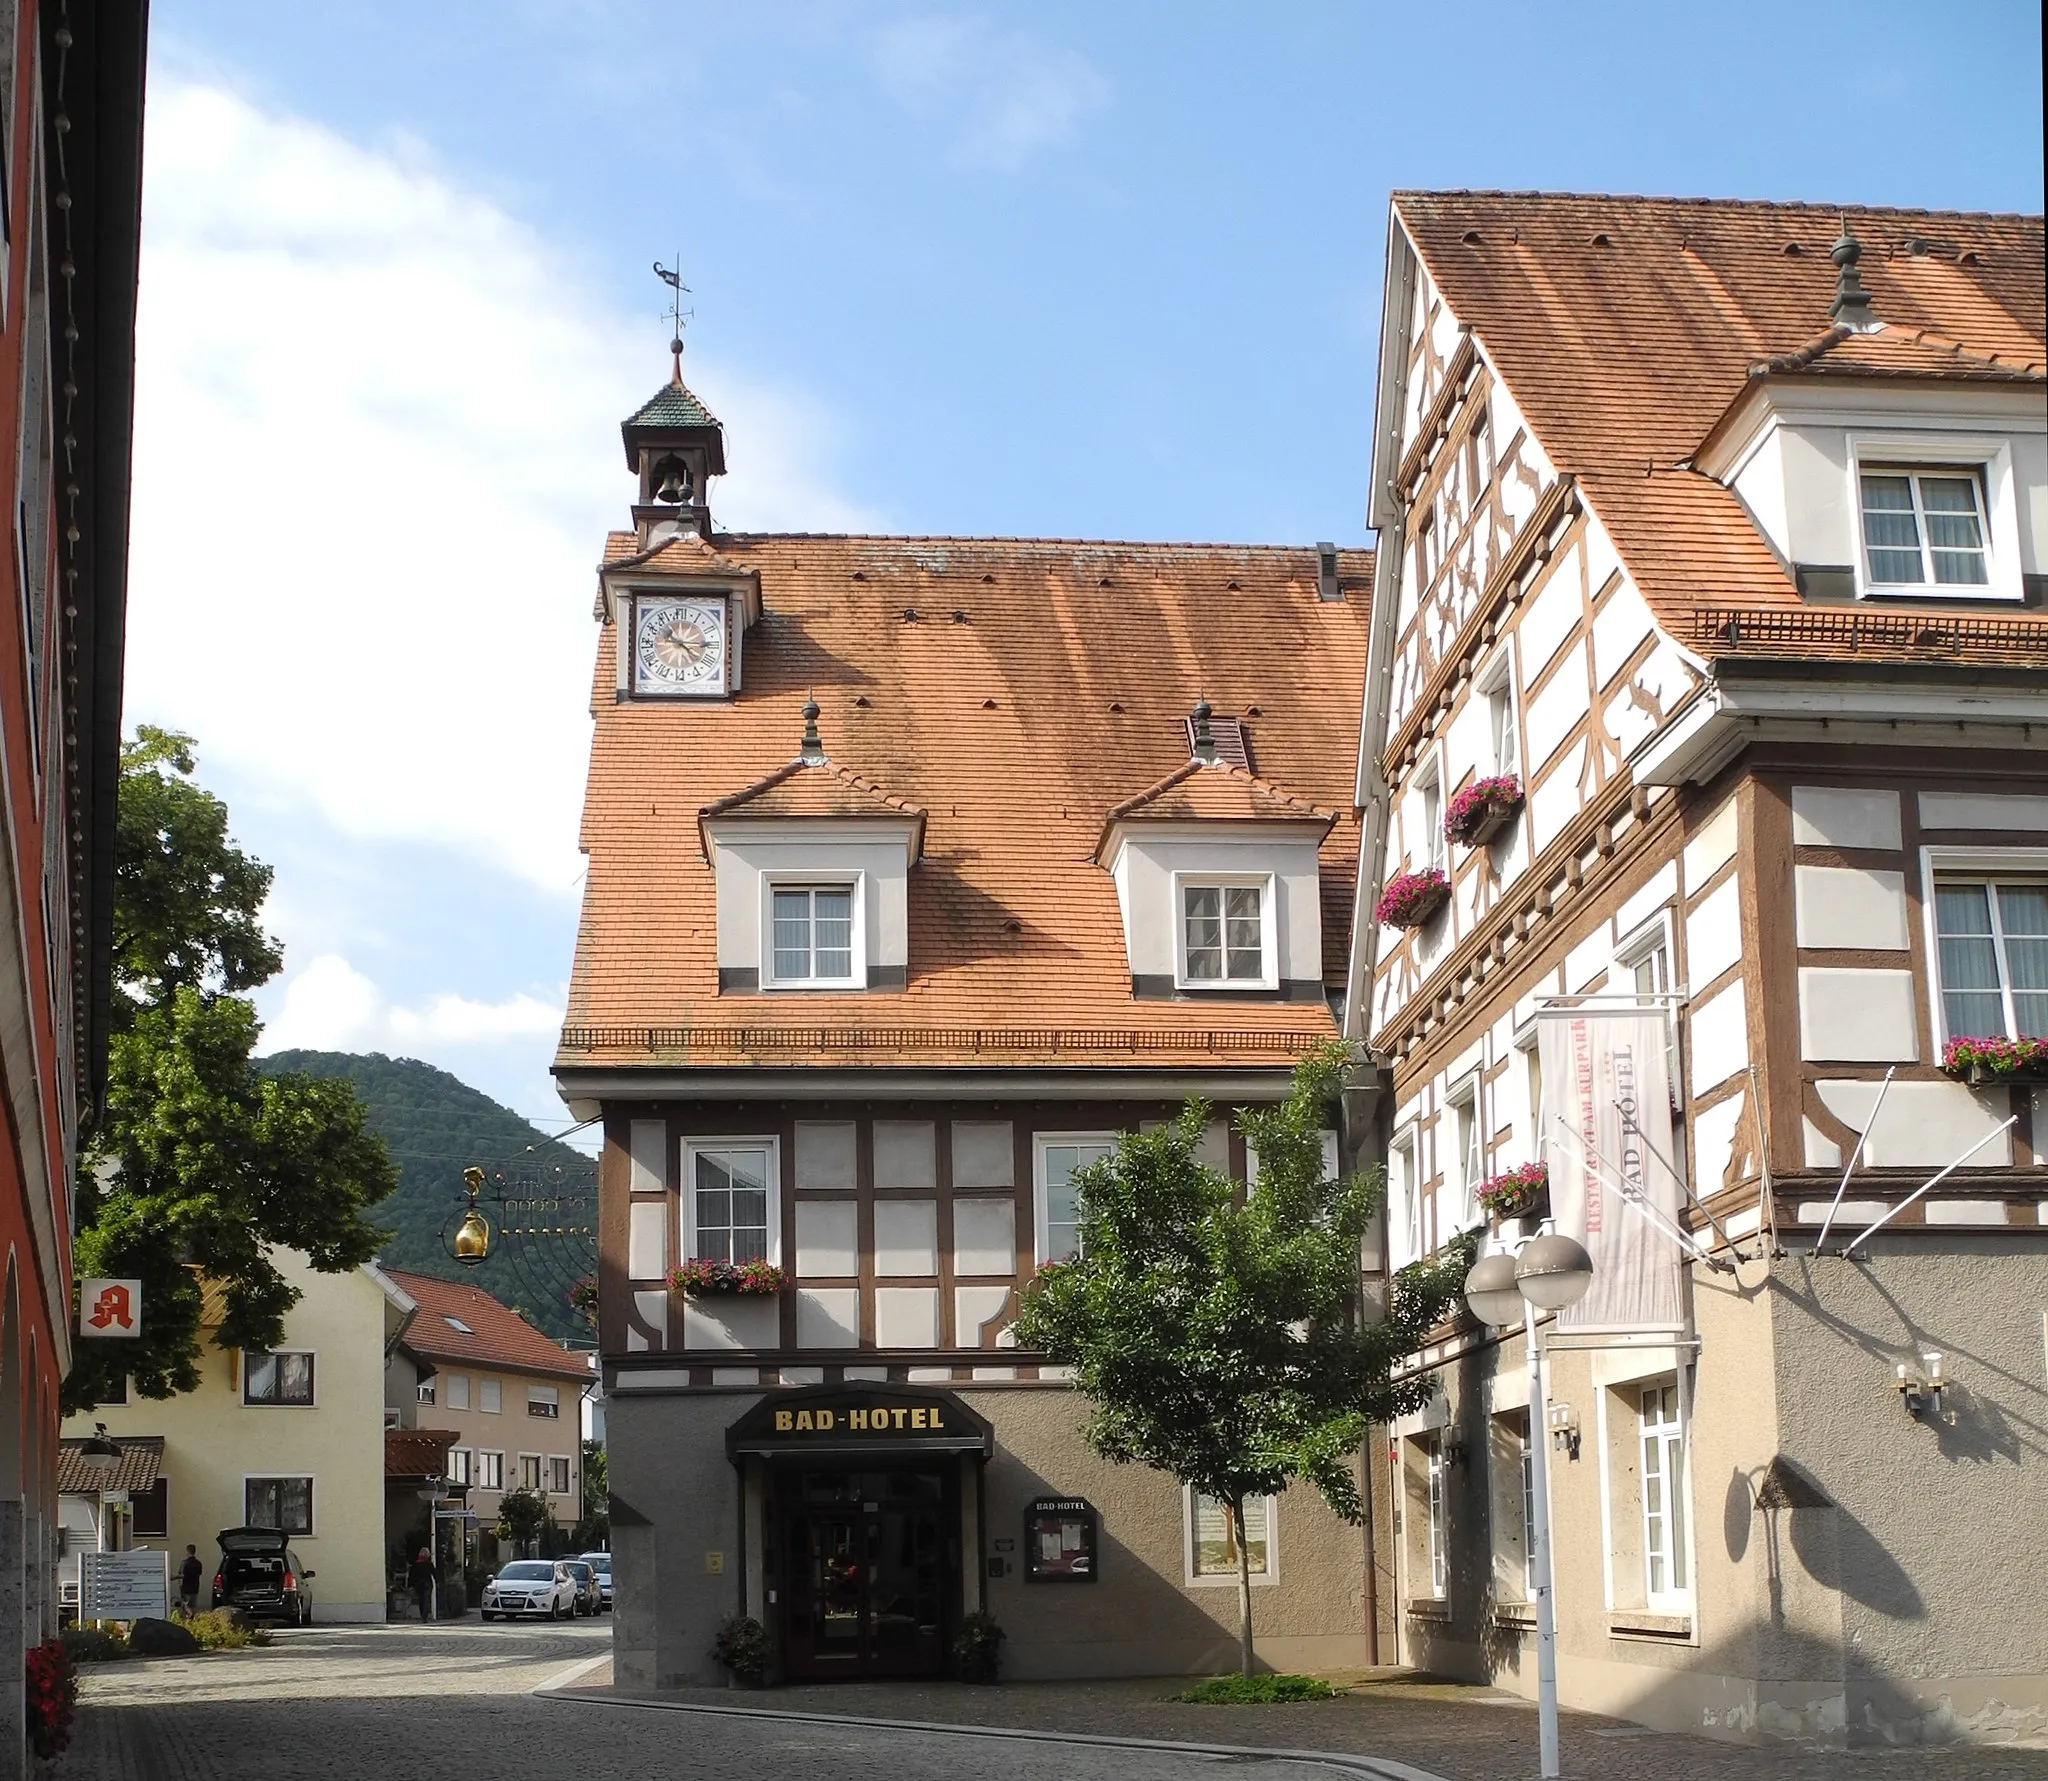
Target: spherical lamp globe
column 1491, row 1291
column 1553, row 1272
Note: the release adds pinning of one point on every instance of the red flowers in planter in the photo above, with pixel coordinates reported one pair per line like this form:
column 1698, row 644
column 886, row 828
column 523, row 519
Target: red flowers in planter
column 1518, row 1191
column 1483, row 809
column 1996, row 1058
column 1411, row 898
column 52, row 1686
column 704, row 1278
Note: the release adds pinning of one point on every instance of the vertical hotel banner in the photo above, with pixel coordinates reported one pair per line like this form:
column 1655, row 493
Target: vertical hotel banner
column 1606, row 1123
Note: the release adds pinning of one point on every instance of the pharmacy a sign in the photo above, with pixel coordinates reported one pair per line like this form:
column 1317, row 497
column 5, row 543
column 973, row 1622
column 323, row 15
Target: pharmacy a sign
column 110, row 1308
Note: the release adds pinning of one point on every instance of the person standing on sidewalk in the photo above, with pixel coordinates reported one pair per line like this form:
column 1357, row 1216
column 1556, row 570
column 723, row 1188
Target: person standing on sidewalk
column 421, row 1577
column 189, row 1573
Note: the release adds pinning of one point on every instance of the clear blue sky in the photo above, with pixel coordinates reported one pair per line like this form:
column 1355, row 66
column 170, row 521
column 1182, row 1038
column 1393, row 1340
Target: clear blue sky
column 1060, row 269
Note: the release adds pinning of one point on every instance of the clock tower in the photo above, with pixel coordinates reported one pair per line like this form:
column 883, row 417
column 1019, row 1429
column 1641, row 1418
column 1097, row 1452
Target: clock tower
column 675, row 445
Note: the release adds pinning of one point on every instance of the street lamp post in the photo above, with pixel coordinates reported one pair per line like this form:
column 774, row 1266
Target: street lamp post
column 1548, row 1273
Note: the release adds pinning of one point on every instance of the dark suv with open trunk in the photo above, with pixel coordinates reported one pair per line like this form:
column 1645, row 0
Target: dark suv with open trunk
column 261, row 1575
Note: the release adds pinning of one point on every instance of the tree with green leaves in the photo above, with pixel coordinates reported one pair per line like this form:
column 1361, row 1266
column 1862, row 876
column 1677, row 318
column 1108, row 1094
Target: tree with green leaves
column 523, row 1517
column 595, row 1529
column 195, row 1166
column 1219, row 1335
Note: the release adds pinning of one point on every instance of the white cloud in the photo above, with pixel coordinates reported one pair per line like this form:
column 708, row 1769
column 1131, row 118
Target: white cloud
column 329, row 1005
column 1004, row 95
column 376, row 454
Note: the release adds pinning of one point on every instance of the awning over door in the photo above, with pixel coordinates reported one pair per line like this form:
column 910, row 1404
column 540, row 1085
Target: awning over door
column 850, row 1424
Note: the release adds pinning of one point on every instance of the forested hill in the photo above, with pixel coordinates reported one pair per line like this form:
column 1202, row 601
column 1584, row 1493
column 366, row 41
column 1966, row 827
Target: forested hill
column 434, row 1124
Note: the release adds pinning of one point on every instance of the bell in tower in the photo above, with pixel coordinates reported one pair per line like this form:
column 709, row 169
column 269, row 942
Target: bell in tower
column 675, row 445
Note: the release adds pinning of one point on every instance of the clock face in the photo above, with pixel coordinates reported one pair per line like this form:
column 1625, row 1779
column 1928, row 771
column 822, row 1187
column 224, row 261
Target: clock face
column 679, row 646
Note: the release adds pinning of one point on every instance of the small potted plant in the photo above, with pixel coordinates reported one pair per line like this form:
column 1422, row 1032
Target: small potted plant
column 978, row 1648
column 1411, row 898
column 583, row 1299
column 1986, row 1061
column 1518, row 1193
column 742, row 1647
column 1482, row 810
column 706, row 1278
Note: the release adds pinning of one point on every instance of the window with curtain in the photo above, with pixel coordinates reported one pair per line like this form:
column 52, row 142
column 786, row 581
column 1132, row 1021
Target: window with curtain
column 458, row 1465
column 558, row 1475
column 279, row 1379
column 490, row 1470
column 283, row 1503
column 1223, row 933
column 1059, row 1162
column 1924, row 528
column 529, row 1471
column 813, row 939
column 1993, row 935
column 731, row 1190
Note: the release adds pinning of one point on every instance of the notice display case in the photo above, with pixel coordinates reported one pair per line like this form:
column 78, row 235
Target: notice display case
column 1060, row 1540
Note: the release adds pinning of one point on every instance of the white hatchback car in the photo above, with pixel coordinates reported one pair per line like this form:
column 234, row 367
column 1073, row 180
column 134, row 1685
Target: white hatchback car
column 543, row 1587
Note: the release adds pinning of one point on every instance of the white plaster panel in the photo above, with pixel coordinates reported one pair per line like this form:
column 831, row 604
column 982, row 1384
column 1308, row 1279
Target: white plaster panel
column 1555, row 802
column 1469, row 741
column 1637, row 909
column 1552, row 712
column 907, row 1237
column 828, row 1317
column 652, row 1309
column 1845, row 906
column 1711, row 847
column 1587, row 961
column 868, row 1375
column 827, row 1154
column 1720, row 1038
column 1619, row 628
column 1856, row 1017
column 984, row 1153
column 1922, row 1125
column 1548, row 617
column 906, row 1317
column 1963, row 1211
column 827, row 1239
column 647, row 1240
column 984, row 1236
column 1850, row 1216
column 928, row 1375
column 1983, row 810
column 803, row 1375
column 732, row 1321
column 1819, row 526
column 906, row 1153
column 1760, row 486
column 1844, row 816
column 975, row 1308
column 735, row 1375
column 1822, row 1152
column 647, row 1142
column 1713, row 1142
column 994, row 1373
column 1713, row 934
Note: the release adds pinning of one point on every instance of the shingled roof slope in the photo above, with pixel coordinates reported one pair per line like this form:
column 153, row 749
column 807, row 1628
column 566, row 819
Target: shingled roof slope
column 1037, row 683
column 1625, row 326
column 137, row 1468
column 497, row 1336
column 675, row 404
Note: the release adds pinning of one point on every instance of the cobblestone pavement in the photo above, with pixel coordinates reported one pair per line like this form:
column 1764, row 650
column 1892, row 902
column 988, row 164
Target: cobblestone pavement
column 450, row 1703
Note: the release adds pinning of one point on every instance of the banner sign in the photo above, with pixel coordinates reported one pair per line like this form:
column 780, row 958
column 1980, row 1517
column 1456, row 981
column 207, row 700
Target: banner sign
column 124, row 1585
column 1606, row 1121
column 110, row 1308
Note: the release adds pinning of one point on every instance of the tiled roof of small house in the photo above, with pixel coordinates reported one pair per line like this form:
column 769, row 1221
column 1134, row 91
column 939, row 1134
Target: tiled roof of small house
column 673, row 405
column 1625, row 327
column 1014, row 691
column 1212, row 791
column 458, row 1324
column 814, row 788
column 141, row 1460
column 417, row 1453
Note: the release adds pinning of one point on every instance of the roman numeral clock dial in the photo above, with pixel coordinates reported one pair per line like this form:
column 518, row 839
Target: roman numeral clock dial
column 679, row 646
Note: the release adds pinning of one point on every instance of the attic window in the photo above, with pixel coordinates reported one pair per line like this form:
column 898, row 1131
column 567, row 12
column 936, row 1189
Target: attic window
column 456, row 1323
column 1923, row 528
column 1228, row 735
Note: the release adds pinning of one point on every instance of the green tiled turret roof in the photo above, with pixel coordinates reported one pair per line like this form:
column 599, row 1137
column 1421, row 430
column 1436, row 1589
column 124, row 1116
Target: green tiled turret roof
column 672, row 406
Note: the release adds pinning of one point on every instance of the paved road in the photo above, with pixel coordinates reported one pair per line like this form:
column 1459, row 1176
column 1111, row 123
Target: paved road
column 396, row 1702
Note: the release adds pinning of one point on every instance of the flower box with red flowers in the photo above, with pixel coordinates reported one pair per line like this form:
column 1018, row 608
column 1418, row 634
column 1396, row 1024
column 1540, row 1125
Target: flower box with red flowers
column 52, row 1698
column 1995, row 1059
column 1517, row 1193
column 1411, row 898
column 705, row 1278
column 1482, row 810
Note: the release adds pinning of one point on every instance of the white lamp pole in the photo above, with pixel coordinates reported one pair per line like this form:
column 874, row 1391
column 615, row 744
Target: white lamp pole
column 1548, row 1274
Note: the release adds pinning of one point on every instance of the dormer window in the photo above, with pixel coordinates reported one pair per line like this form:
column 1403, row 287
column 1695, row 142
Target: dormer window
column 1223, row 934
column 1923, row 528
column 815, row 939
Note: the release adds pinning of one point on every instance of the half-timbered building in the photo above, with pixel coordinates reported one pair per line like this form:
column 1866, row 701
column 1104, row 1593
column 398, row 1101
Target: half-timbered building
column 918, row 869
column 1713, row 536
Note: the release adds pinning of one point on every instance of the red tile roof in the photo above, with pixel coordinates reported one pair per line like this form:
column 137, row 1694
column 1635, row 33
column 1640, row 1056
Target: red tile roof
column 813, row 788
column 496, row 1336
column 1625, row 327
column 1211, row 791
column 141, row 1460
column 1015, row 691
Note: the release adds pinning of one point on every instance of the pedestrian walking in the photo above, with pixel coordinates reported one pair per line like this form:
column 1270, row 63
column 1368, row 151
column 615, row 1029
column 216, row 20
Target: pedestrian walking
column 421, row 1577
column 189, row 1573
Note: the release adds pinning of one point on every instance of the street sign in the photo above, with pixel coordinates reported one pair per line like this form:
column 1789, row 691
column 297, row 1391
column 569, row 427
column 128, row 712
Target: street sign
column 125, row 1586
column 110, row 1307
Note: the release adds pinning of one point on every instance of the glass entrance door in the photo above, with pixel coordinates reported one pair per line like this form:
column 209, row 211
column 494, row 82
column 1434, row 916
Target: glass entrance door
column 870, row 1568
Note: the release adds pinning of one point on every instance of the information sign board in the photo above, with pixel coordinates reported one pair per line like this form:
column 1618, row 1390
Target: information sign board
column 125, row 1586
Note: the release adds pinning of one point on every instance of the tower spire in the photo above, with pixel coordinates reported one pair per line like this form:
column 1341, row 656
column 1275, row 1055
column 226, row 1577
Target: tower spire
column 1851, row 307
column 677, row 315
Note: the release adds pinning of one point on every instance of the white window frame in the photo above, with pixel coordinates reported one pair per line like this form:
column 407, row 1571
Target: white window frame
column 1676, row 1514
column 1266, row 884
column 1429, row 795
column 1991, row 457
column 1463, row 1099
column 1632, row 949
column 1975, row 864
column 312, row 1499
column 1436, row 1515
column 742, row 1141
column 311, row 1403
column 828, row 879
column 1227, row 1579
column 486, row 1390
column 1495, row 683
column 490, row 1453
column 461, row 1466
column 1407, row 1146
column 1041, row 1142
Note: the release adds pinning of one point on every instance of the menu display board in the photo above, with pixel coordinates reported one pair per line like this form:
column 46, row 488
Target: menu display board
column 1060, row 1540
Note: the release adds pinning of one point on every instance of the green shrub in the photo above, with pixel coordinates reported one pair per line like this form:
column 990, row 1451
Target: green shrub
column 95, row 1644
column 1220, row 1690
column 222, row 1629
column 978, row 1648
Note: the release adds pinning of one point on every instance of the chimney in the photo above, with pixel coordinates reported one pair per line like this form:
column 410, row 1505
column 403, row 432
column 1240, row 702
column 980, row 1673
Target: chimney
column 1326, row 573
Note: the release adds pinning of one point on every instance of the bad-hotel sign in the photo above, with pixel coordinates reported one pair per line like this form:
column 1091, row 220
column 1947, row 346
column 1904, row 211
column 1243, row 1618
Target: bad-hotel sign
column 835, row 1421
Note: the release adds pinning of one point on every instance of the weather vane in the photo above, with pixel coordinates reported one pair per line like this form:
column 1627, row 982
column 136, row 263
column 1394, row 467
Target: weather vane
column 677, row 313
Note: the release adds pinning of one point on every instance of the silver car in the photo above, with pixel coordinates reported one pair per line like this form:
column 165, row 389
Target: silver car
column 541, row 1587
column 601, row 1563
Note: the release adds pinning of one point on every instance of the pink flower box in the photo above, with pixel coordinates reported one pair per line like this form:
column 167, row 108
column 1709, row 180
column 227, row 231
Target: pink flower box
column 1517, row 1192
column 704, row 1278
column 1996, row 1059
column 1411, row 898
column 1483, row 809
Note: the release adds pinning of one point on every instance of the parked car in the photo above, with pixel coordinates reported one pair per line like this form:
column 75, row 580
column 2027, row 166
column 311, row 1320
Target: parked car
column 261, row 1575
column 588, row 1598
column 601, row 1563
column 537, row 1586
